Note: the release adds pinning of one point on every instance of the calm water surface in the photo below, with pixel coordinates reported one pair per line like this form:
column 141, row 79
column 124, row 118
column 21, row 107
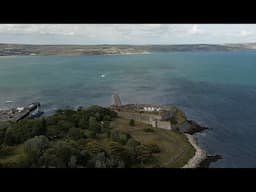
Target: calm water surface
column 217, row 89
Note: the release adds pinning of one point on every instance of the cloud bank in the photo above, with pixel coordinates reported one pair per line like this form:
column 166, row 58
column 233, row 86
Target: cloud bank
column 126, row 33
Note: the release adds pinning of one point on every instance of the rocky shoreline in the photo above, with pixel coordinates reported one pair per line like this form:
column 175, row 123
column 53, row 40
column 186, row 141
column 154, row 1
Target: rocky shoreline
column 199, row 156
column 194, row 128
column 201, row 159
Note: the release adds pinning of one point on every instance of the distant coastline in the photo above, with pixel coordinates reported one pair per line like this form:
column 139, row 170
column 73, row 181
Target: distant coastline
column 47, row 50
column 138, row 53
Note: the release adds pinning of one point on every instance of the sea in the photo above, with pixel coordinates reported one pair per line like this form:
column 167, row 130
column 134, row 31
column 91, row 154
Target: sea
column 216, row 89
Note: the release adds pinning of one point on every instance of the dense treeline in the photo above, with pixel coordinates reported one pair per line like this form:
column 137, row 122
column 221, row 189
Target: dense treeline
column 72, row 138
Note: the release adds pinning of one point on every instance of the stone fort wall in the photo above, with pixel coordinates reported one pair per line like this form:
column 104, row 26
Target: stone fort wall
column 153, row 120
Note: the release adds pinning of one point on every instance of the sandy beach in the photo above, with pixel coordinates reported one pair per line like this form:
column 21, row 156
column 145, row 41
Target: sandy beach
column 199, row 156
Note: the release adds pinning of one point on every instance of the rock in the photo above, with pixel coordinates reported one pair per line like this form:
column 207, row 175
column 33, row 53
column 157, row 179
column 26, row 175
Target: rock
column 194, row 128
column 210, row 159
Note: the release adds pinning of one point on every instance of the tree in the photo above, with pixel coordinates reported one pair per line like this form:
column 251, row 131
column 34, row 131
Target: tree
column 93, row 124
column 34, row 147
column 3, row 128
column 18, row 132
column 132, row 122
column 153, row 147
column 143, row 153
column 119, row 136
column 50, row 159
column 178, row 117
column 92, row 147
column 74, row 133
column 83, row 123
column 100, row 160
column 132, row 143
column 116, row 149
column 64, row 152
column 122, row 154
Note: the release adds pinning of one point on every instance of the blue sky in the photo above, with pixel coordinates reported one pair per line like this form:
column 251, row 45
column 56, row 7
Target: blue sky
column 127, row 33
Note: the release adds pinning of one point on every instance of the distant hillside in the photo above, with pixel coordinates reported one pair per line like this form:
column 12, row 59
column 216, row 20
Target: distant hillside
column 22, row 49
column 251, row 46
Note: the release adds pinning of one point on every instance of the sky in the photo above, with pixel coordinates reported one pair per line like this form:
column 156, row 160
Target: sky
column 127, row 33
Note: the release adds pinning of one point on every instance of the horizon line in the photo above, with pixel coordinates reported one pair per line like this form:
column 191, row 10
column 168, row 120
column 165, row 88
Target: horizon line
column 106, row 44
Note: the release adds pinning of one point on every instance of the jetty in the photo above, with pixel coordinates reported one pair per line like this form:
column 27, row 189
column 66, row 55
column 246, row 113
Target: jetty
column 19, row 113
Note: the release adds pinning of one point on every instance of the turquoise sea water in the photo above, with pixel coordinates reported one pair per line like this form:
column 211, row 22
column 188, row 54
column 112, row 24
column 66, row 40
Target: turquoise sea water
column 217, row 89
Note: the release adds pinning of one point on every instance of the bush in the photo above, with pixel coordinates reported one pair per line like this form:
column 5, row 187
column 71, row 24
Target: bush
column 93, row 125
column 132, row 143
column 23, row 130
column 74, row 133
column 148, row 130
column 83, row 123
column 122, row 154
column 143, row 153
column 64, row 152
column 34, row 147
column 82, row 142
column 5, row 151
column 132, row 122
column 91, row 134
column 116, row 149
column 120, row 137
column 178, row 117
column 50, row 159
column 92, row 147
column 3, row 128
column 154, row 148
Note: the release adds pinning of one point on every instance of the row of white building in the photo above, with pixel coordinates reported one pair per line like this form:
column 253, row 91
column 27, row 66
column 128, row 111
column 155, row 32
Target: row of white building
column 151, row 109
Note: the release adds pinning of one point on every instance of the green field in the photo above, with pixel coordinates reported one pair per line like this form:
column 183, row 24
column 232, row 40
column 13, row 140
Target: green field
column 175, row 148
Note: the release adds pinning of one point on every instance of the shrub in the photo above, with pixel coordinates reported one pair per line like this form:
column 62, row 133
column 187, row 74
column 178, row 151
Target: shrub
column 143, row 153
column 153, row 147
column 34, row 147
column 74, row 133
column 116, row 149
column 93, row 125
column 82, row 142
column 132, row 122
column 83, row 123
column 92, row 135
column 64, row 152
column 178, row 117
column 132, row 143
column 23, row 130
column 5, row 151
column 50, row 159
column 148, row 130
column 122, row 154
column 92, row 147
column 119, row 136
column 3, row 128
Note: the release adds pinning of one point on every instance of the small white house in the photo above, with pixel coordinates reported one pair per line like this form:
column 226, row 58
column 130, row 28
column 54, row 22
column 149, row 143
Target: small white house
column 20, row 109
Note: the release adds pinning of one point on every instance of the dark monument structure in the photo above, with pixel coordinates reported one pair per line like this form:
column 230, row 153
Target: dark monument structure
column 116, row 100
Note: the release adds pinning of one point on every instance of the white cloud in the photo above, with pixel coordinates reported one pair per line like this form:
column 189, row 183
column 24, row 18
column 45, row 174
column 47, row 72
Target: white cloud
column 195, row 29
column 245, row 33
column 126, row 33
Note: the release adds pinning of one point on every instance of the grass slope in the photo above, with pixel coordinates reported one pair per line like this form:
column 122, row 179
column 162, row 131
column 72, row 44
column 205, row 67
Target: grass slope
column 175, row 148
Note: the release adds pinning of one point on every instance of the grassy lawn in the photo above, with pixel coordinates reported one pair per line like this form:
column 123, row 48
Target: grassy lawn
column 174, row 146
column 17, row 152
